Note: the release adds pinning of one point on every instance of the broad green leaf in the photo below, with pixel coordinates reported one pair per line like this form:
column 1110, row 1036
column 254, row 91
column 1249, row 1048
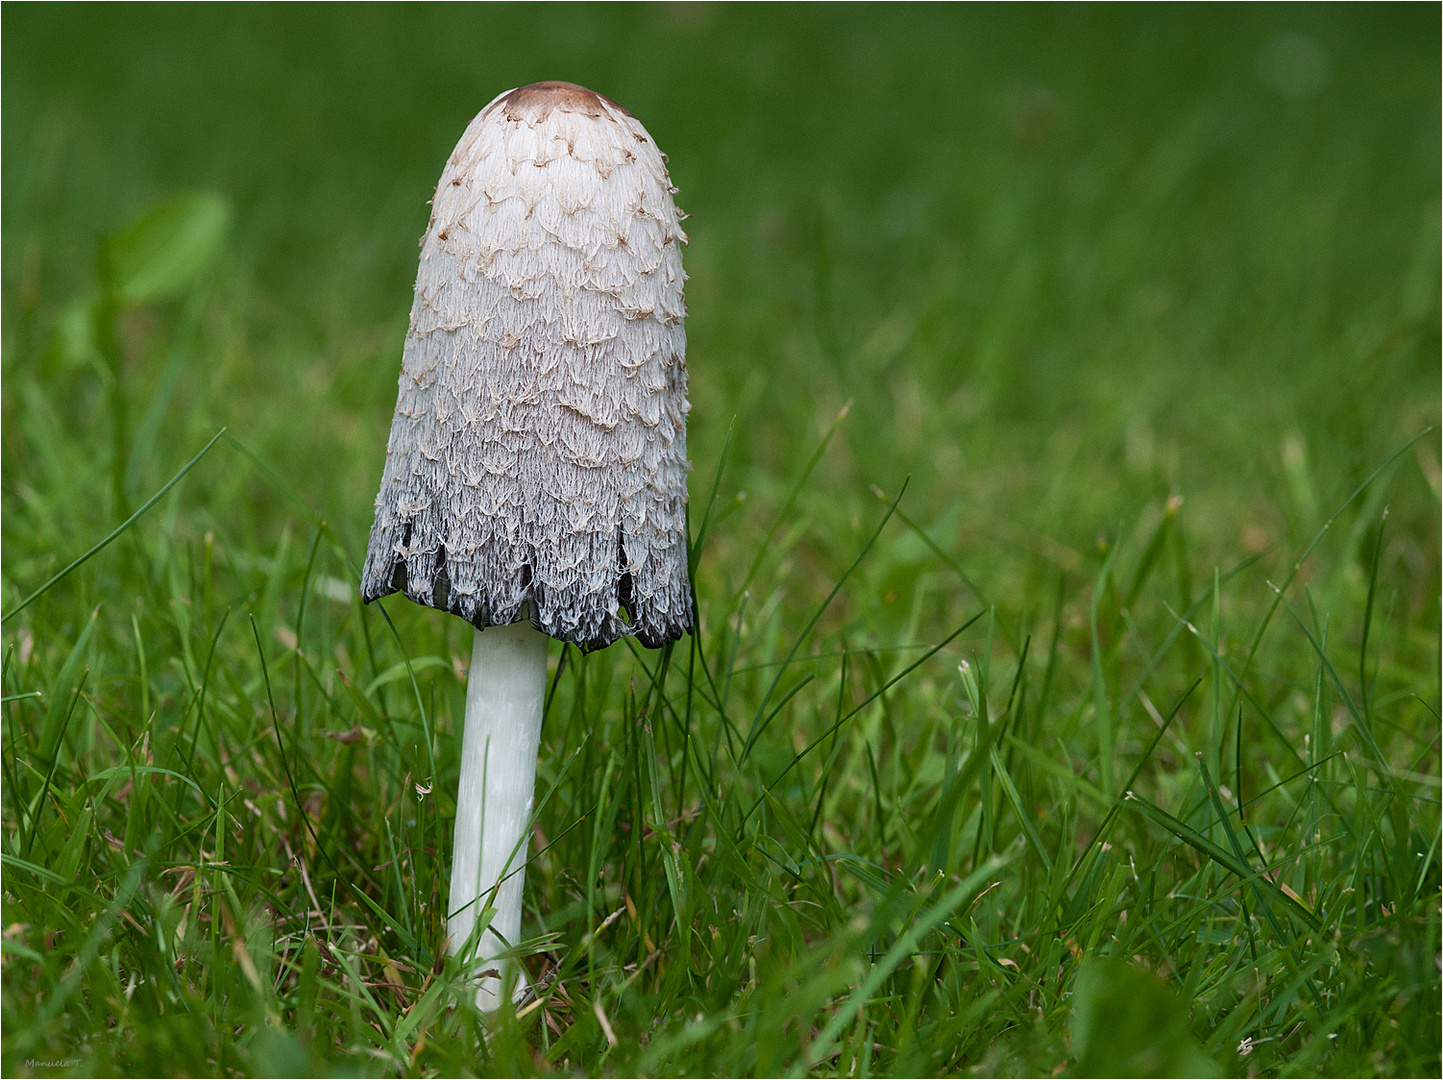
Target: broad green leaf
column 1128, row 1022
column 160, row 253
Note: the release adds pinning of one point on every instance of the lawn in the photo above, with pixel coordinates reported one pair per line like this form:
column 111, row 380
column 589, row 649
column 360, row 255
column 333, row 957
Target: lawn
column 1065, row 519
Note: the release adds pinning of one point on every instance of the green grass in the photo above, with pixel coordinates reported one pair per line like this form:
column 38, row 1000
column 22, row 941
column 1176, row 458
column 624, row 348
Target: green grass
column 1140, row 307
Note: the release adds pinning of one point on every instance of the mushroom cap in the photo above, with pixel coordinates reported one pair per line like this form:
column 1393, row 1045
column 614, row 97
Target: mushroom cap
column 537, row 461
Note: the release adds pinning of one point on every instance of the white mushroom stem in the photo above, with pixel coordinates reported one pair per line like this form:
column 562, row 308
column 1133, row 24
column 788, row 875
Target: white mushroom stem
column 505, row 694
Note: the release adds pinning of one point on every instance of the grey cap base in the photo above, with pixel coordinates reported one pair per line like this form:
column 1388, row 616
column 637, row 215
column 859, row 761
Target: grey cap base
column 523, row 598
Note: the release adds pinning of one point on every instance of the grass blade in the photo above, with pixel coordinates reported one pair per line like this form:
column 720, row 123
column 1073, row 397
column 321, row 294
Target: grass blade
column 117, row 531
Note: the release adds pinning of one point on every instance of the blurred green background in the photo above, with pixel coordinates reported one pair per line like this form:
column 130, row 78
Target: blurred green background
column 1090, row 276
column 1064, row 260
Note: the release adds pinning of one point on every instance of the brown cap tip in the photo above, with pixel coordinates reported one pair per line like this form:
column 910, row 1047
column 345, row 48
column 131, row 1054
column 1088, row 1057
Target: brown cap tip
column 535, row 102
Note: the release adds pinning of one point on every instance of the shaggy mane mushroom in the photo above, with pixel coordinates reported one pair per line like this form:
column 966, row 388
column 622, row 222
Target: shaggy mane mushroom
column 535, row 477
